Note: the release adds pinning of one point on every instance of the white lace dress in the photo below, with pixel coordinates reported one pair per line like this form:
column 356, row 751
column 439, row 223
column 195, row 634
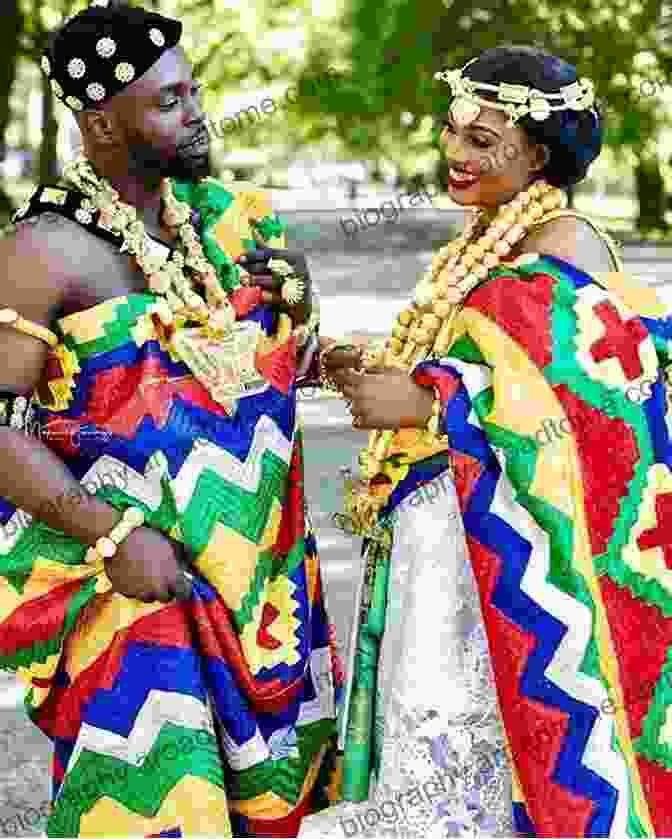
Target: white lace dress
column 444, row 771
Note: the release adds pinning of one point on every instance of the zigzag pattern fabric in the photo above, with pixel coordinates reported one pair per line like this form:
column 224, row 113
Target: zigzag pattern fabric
column 212, row 717
column 560, row 445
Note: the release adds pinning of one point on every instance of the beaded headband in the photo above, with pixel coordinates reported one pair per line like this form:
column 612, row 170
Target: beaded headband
column 516, row 100
column 102, row 50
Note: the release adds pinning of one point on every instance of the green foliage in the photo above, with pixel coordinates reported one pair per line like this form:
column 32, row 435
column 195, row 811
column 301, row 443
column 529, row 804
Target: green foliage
column 384, row 53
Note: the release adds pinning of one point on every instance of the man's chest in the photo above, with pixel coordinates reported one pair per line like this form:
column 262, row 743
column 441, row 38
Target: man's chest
column 110, row 273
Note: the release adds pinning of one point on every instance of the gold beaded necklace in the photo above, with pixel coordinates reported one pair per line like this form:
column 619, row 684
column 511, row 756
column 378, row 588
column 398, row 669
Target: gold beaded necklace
column 220, row 351
column 165, row 273
column 426, row 326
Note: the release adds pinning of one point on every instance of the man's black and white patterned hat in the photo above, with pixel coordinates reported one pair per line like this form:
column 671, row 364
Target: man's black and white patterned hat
column 103, row 49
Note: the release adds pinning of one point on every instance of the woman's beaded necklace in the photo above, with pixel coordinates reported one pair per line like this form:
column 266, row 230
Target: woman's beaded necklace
column 426, row 327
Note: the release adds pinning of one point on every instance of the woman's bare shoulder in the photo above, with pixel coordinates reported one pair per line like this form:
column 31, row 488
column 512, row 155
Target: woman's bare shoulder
column 572, row 239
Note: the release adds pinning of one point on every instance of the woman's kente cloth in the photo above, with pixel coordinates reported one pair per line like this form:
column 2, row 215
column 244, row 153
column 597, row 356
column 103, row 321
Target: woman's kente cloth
column 556, row 487
column 215, row 716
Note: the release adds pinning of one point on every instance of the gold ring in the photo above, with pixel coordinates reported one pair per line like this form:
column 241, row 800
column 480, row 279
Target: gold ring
column 293, row 289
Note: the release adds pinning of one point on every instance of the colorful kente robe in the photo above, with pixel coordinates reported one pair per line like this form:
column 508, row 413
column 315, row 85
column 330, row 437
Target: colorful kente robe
column 515, row 643
column 207, row 717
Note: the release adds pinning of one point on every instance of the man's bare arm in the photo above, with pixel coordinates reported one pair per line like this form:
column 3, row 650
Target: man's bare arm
column 38, row 263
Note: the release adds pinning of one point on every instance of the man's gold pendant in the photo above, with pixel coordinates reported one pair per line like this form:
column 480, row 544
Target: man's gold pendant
column 225, row 365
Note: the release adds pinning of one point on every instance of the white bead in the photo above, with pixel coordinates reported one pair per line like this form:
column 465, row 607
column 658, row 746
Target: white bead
column 106, row 547
column 95, row 91
column 540, row 109
column 106, row 47
column 20, row 403
column 46, row 66
column 423, row 294
column 134, row 516
column 125, row 72
column 157, row 37
column 83, row 216
column 76, row 68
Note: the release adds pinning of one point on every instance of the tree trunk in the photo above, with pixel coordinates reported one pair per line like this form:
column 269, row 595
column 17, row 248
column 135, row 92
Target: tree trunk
column 10, row 32
column 48, row 151
column 651, row 195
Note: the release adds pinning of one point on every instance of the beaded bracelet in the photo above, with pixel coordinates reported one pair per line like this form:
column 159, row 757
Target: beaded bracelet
column 8, row 317
column 106, row 546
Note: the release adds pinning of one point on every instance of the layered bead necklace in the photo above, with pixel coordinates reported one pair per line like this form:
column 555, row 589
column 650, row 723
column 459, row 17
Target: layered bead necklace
column 174, row 276
column 426, row 327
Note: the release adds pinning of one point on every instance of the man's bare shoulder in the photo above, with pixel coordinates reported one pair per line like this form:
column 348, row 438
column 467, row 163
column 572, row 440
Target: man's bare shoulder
column 47, row 232
column 45, row 251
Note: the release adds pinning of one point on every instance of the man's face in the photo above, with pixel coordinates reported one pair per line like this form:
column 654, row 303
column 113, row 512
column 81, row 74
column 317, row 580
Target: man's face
column 163, row 122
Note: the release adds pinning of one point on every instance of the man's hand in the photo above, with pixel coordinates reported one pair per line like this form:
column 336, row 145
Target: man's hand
column 146, row 566
column 255, row 262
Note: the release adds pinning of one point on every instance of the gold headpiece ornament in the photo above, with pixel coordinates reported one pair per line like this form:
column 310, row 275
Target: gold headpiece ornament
column 516, row 100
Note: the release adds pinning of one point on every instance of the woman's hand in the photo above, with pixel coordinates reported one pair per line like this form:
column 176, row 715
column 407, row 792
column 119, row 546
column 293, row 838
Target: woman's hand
column 147, row 566
column 387, row 398
column 335, row 360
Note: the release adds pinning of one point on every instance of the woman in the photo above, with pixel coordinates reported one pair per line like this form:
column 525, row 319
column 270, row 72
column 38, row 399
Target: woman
column 516, row 593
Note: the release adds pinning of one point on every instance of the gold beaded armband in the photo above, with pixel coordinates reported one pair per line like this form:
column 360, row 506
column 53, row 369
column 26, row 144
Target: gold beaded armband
column 434, row 422
column 8, row 317
column 106, row 546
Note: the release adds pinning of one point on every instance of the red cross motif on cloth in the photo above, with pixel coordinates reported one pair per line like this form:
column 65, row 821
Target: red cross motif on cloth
column 660, row 536
column 621, row 339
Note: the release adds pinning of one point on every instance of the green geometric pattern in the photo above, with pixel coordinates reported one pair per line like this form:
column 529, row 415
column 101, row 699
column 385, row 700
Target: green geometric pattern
column 284, row 777
column 117, row 330
column 650, row 744
column 217, row 500
column 141, row 789
column 615, row 404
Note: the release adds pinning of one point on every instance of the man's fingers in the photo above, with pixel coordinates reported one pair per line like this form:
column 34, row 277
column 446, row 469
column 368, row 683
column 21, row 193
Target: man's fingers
column 267, row 282
column 272, row 297
column 294, row 258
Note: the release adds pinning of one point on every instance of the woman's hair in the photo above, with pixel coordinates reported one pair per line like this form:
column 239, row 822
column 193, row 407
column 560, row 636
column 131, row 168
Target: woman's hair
column 574, row 138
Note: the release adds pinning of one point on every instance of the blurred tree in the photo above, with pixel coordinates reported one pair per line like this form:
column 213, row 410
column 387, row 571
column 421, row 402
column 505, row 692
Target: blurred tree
column 396, row 46
column 10, row 33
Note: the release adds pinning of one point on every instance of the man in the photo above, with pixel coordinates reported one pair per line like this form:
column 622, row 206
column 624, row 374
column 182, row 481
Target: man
column 178, row 701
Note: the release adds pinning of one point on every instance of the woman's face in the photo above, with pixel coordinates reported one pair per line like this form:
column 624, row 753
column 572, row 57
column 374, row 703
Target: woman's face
column 490, row 161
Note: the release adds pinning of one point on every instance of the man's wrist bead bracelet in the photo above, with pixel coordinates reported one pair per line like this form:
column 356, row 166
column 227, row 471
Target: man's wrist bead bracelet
column 8, row 317
column 106, row 546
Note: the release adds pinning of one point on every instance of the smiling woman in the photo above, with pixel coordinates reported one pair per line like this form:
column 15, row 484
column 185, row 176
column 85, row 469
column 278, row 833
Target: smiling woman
column 538, row 586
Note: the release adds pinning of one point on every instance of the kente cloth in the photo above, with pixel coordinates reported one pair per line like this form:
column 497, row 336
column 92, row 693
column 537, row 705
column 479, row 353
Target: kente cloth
column 559, row 452
column 210, row 716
